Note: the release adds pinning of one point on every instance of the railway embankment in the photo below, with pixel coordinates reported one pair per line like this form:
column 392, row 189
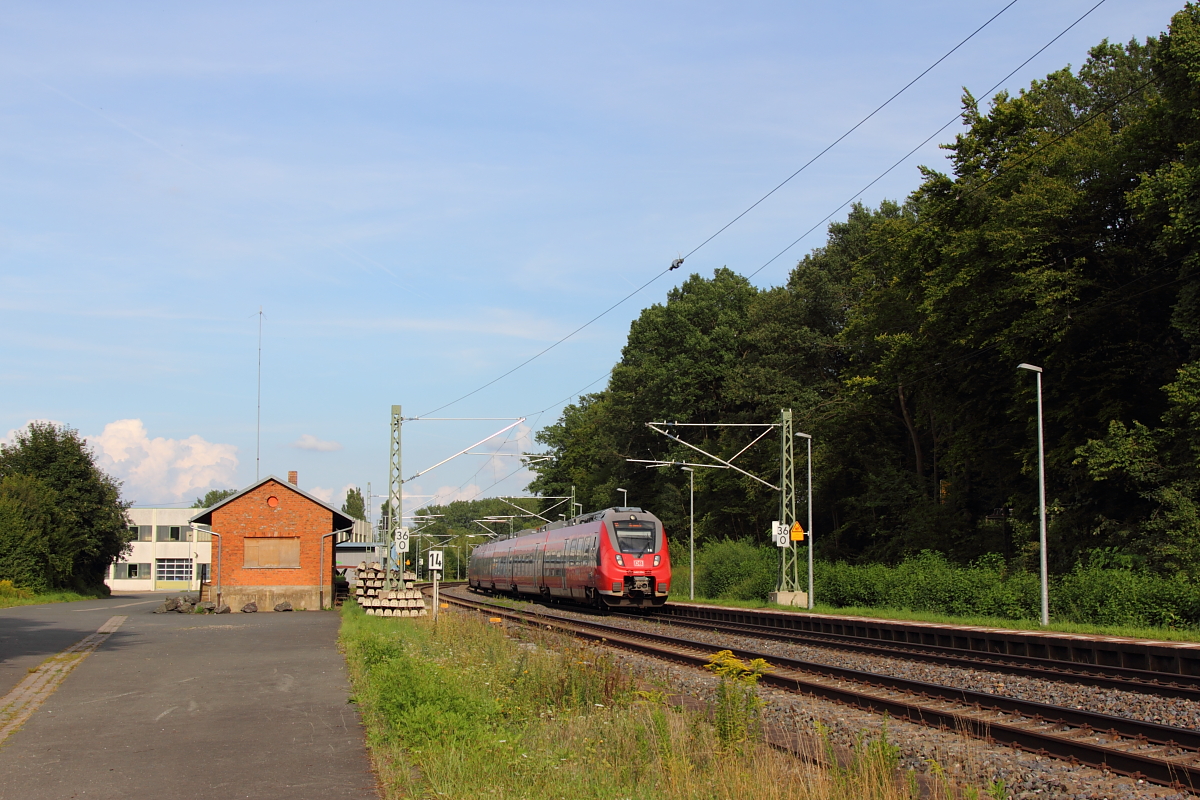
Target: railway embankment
column 981, row 735
column 467, row 707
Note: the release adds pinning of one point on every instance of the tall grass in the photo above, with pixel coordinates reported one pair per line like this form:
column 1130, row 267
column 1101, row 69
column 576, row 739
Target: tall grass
column 464, row 710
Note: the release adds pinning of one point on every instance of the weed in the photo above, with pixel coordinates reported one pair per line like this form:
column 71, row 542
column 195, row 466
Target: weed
column 468, row 711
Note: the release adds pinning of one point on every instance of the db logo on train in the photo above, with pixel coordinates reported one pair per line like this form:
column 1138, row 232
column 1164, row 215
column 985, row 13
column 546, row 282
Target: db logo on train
column 637, row 562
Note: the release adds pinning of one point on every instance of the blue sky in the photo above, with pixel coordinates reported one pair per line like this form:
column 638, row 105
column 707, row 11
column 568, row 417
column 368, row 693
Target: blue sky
column 420, row 197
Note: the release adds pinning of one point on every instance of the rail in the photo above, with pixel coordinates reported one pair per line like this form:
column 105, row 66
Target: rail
column 1157, row 753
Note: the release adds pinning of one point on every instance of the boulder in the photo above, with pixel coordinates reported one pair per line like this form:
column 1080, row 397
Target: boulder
column 184, row 607
column 166, row 606
column 207, row 607
column 222, row 609
column 172, row 603
column 284, row 606
column 250, row 608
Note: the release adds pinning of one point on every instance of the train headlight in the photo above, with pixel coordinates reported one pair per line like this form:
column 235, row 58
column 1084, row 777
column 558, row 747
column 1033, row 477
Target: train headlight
column 657, row 560
column 620, row 560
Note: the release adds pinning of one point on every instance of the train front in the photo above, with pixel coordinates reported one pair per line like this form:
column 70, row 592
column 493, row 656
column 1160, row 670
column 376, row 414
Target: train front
column 635, row 567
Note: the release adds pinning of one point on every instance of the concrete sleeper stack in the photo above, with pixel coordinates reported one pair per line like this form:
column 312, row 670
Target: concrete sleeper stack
column 374, row 595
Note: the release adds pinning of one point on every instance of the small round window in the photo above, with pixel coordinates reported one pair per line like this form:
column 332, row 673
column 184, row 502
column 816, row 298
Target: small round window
column 273, row 501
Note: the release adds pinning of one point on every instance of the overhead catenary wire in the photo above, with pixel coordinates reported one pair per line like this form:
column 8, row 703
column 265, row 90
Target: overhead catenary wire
column 926, row 141
column 878, row 178
column 856, row 126
column 679, row 261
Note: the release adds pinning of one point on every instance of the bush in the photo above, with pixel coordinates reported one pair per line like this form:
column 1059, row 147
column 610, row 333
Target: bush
column 736, row 570
column 929, row 583
column 1124, row 597
column 1097, row 595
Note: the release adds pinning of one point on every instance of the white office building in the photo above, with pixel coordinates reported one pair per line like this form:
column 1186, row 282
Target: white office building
column 166, row 554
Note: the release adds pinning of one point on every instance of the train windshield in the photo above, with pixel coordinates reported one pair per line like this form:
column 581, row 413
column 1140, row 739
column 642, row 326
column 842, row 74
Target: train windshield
column 634, row 536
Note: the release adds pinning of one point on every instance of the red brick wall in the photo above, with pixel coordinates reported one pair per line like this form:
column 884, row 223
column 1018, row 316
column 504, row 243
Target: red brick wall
column 294, row 516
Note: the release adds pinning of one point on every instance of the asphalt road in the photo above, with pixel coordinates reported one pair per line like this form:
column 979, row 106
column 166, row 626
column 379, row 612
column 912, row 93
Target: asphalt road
column 232, row 706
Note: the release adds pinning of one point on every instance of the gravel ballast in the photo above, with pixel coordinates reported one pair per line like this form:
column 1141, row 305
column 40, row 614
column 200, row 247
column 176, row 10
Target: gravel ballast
column 965, row 760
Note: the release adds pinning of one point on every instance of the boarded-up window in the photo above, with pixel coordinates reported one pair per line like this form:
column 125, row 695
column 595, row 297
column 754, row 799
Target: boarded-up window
column 272, row 553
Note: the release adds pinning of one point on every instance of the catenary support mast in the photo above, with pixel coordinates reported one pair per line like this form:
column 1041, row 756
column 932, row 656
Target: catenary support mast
column 789, row 560
column 395, row 486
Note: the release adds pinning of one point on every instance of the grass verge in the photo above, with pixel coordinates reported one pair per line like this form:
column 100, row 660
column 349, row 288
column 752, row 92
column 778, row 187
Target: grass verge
column 465, row 709
column 12, row 596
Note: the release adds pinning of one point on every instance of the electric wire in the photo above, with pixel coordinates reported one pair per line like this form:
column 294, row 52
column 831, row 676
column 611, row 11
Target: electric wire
column 606, row 311
column 929, row 138
column 857, row 125
column 878, row 178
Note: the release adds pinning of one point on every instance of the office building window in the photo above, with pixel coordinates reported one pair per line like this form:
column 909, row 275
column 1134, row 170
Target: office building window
column 125, row 571
column 173, row 533
column 173, row 569
column 202, row 573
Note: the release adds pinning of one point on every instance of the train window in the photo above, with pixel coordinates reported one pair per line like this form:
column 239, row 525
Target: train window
column 635, row 536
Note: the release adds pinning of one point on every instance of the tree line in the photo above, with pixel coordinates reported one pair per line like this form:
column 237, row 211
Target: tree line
column 1064, row 234
column 62, row 520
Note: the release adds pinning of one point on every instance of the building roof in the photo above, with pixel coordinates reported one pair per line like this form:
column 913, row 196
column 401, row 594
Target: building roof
column 340, row 518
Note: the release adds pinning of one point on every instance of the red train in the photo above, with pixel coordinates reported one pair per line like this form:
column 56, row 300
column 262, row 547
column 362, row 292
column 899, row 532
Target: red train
column 609, row 558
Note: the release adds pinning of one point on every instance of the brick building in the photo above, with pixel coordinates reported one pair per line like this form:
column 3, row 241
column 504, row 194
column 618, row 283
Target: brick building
column 272, row 543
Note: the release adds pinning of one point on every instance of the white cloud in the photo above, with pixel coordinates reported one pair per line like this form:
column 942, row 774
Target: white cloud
column 310, row 442
column 11, row 436
column 329, row 495
column 162, row 470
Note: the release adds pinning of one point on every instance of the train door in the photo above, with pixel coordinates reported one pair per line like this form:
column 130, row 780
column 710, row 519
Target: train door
column 556, row 569
column 539, row 567
column 578, row 576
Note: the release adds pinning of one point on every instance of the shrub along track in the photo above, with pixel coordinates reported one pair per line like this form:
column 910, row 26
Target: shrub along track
column 1161, row 754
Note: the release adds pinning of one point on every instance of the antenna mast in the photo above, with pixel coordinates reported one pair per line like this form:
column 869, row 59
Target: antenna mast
column 258, row 414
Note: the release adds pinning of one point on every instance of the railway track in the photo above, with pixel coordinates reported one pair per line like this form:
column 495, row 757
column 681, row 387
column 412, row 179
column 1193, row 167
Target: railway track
column 1124, row 679
column 1157, row 753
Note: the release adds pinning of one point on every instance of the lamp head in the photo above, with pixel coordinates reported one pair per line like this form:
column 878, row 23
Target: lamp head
column 1029, row 367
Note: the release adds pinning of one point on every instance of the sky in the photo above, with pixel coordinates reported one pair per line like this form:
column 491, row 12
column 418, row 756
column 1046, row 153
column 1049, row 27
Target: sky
column 419, row 198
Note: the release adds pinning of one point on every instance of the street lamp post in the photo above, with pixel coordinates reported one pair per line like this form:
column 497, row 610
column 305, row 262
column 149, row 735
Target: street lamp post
column 808, row 439
column 691, row 532
column 624, row 497
column 1041, row 495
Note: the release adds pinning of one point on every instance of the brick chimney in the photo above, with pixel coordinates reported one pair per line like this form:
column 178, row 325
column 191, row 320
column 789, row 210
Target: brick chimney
column 294, row 478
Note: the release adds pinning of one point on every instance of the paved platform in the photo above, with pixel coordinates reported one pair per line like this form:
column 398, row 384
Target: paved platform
column 234, row 706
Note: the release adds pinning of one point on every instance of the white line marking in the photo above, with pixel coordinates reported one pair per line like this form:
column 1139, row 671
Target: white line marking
column 106, row 608
column 168, row 711
column 106, row 699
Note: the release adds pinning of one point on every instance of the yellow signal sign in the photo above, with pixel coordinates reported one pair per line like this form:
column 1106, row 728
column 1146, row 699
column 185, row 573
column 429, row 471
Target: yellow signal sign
column 797, row 532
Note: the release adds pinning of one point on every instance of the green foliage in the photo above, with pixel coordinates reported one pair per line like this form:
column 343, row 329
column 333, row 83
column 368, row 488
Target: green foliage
column 1064, row 235
column 355, row 505
column 10, row 591
column 738, row 570
column 928, row 582
column 456, row 529
column 38, row 538
column 212, row 497
column 737, row 707
column 1102, row 591
column 465, row 709
column 62, row 521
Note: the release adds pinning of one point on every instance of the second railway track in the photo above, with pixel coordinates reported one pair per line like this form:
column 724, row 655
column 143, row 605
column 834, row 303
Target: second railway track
column 1124, row 679
column 1161, row 754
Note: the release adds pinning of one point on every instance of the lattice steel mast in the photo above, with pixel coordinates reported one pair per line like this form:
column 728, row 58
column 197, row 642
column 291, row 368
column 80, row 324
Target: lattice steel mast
column 789, row 559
